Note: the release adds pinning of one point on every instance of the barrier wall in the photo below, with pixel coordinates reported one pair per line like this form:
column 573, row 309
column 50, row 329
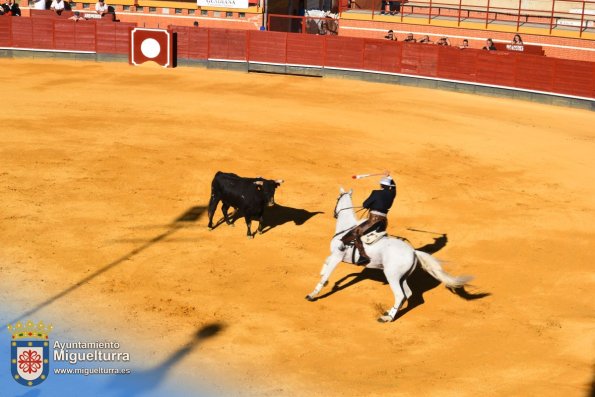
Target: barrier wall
column 503, row 69
column 53, row 33
column 510, row 69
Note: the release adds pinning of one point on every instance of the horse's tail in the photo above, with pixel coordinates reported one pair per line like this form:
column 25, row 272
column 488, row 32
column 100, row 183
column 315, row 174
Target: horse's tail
column 434, row 268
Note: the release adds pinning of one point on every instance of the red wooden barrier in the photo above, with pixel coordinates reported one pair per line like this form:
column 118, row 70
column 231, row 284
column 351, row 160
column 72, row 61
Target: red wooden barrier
column 382, row 55
column 305, row 49
column 267, row 46
column 22, row 32
column 511, row 69
column 85, row 37
column 228, row 44
column 5, row 32
column 344, row 52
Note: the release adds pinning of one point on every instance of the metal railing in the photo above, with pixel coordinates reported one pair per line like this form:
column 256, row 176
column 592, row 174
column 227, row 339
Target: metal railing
column 570, row 14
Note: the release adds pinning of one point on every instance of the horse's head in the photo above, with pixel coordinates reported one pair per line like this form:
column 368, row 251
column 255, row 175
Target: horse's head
column 344, row 201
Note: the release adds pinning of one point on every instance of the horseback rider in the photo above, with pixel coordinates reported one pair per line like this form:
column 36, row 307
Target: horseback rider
column 378, row 203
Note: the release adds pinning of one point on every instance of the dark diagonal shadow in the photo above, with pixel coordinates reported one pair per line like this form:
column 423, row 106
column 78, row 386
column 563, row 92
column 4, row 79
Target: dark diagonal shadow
column 141, row 382
column 190, row 215
column 30, row 393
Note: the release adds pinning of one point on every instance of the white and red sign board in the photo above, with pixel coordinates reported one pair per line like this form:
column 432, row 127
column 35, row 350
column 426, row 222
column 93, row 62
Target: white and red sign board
column 151, row 45
column 223, row 3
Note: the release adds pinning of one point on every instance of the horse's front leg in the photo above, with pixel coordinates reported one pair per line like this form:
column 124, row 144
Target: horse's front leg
column 327, row 269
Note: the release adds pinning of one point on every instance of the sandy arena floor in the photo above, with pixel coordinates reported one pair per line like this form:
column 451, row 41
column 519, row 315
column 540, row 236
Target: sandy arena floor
column 106, row 170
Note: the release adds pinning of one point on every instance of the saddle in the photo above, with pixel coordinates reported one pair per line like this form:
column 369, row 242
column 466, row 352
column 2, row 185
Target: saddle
column 372, row 237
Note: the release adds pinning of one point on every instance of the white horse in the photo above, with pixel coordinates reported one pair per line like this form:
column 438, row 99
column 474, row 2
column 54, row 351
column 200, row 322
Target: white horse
column 396, row 257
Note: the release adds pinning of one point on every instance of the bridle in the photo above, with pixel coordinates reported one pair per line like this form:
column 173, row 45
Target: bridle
column 336, row 213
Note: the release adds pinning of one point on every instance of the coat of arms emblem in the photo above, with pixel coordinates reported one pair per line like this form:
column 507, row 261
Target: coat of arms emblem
column 29, row 352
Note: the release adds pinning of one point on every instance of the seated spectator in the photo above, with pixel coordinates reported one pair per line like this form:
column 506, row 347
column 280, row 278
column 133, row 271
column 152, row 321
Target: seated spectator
column 390, row 36
column 15, row 10
column 101, row 8
column 489, row 45
column 410, row 38
column 385, row 7
column 516, row 40
column 516, row 44
column 57, row 6
column 5, row 9
column 443, row 41
column 425, row 40
column 464, row 45
column 77, row 17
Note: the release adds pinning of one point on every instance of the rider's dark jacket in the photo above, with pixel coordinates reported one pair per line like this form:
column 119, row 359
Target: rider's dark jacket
column 380, row 200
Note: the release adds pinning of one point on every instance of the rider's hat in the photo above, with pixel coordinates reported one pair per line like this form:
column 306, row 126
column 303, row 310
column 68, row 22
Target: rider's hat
column 387, row 181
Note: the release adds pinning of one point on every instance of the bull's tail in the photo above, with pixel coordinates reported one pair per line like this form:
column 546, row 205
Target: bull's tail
column 434, row 268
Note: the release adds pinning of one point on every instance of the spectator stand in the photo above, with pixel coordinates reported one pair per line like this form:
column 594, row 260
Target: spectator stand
column 556, row 18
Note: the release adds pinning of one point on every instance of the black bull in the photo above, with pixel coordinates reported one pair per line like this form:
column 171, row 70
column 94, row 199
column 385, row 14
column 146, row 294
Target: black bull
column 250, row 196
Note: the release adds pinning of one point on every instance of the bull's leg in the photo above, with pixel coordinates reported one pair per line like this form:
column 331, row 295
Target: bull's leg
column 224, row 208
column 327, row 269
column 248, row 223
column 212, row 207
column 260, row 224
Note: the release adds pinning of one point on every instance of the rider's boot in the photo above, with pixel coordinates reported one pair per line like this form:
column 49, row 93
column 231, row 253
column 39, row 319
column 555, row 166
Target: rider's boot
column 364, row 259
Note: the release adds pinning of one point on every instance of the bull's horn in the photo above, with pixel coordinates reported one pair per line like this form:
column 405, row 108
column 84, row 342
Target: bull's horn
column 260, row 183
column 279, row 181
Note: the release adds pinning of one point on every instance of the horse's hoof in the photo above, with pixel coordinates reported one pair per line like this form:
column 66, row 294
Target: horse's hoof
column 384, row 319
column 310, row 299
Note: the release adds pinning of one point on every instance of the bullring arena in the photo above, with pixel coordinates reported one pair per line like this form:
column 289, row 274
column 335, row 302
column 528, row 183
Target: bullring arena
column 106, row 172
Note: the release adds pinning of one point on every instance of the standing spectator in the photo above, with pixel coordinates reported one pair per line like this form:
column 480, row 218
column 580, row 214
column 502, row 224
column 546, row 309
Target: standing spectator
column 443, row 41
column 101, row 8
column 426, row 40
column 410, row 38
column 390, row 36
column 385, row 7
column 57, row 6
column 39, row 4
column 489, row 45
column 464, row 45
column 395, row 7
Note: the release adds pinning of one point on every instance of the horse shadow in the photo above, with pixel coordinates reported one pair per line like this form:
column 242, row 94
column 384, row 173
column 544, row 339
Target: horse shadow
column 139, row 383
column 419, row 281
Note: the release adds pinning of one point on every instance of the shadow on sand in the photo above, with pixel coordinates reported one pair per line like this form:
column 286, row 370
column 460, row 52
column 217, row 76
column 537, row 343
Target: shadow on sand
column 274, row 216
column 139, row 383
column 190, row 215
column 420, row 282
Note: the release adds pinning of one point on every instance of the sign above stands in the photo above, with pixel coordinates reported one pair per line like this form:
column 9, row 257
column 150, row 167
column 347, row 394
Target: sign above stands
column 223, row 3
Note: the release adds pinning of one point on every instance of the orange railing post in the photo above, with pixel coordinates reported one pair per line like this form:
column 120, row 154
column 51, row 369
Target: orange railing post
column 373, row 8
column 518, row 17
column 487, row 13
column 459, row 16
column 552, row 16
column 580, row 32
column 430, row 13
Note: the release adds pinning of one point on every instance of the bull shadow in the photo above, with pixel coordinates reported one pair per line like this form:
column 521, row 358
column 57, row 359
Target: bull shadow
column 419, row 281
column 278, row 215
column 274, row 216
column 190, row 215
column 139, row 383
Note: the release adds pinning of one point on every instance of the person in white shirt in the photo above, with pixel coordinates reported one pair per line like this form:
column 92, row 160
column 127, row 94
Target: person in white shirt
column 39, row 4
column 57, row 6
column 101, row 7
